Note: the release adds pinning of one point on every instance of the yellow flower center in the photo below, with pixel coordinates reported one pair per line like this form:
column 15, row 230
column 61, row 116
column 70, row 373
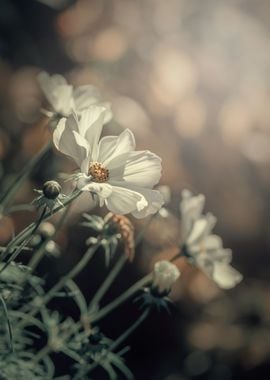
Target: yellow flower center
column 98, row 172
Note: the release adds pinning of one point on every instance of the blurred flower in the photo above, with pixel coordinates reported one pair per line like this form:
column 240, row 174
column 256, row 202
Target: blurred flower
column 203, row 249
column 64, row 98
column 121, row 177
column 165, row 275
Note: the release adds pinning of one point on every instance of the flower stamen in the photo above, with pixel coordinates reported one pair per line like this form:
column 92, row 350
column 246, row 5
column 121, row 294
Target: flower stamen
column 98, row 172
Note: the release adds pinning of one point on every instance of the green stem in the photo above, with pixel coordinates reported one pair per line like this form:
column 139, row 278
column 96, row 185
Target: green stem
column 25, row 243
column 41, row 355
column 116, row 270
column 107, row 282
column 122, row 298
column 15, row 185
column 29, row 229
column 130, row 330
column 69, row 276
column 40, row 252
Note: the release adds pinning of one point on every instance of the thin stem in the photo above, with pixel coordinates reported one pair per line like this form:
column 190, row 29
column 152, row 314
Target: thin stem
column 74, row 272
column 25, row 243
column 122, row 298
column 107, row 282
column 70, row 275
column 116, row 270
column 41, row 355
column 17, row 182
column 130, row 330
column 29, row 229
column 8, row 323
column 40, row 252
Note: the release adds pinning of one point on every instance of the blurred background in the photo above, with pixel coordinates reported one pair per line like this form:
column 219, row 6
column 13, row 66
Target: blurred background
column 191, row 79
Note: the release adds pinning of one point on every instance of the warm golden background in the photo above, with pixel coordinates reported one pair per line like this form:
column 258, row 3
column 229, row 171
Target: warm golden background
column 191, row 79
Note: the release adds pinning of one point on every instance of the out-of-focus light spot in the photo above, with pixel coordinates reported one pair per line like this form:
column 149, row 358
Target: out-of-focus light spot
column 131, row 114
column 109, row 45
column 6, row 229
column 197, row 363
column 165, row 19
column 163, row 231
column 79, row 18
column 174, row 75
column 24, row 95
column 204, row 335
column 256, row 147
column 202, row 289
column 4, row 144
column 190, row 117
column 235, row 120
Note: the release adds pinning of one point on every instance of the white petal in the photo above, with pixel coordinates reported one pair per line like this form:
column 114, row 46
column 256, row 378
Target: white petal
column 68, row 141
column 191, row 208
column 212, row 242
column 57, row 91
column 103, row 190
column 204, row 262
column 225, row 276
column 112, row 149
column 88, row 95
column 85, row 96
column 142, row 169
column 153, row 199
column 124, row 201
column 90, row 127
column 197, row 232
column 223, row 255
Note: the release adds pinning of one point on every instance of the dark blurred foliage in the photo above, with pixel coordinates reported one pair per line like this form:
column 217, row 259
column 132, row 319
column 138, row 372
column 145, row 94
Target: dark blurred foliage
column 191, row 79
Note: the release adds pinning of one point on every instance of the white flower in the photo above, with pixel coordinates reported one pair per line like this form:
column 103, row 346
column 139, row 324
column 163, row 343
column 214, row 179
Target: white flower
column 110, row 167
column 64, row 98
column 203, row 248
column 165, row 275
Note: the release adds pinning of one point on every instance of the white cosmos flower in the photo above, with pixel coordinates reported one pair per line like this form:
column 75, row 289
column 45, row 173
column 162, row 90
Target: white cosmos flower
column 64, row 98
column 165, row 275
column 110, row 167
column 203, row 248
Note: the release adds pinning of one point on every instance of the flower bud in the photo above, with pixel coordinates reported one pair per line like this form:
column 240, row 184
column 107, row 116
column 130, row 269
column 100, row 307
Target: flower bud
column 165, row 275
column 51, row 189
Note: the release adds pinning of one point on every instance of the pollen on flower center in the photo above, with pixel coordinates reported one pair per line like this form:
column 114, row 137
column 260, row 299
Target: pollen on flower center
column 98, row 172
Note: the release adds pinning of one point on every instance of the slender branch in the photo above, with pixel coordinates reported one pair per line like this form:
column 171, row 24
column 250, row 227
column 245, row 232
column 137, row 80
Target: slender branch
column 122, row 298
column 130, row 330
column 37, row 257
column 17, row 182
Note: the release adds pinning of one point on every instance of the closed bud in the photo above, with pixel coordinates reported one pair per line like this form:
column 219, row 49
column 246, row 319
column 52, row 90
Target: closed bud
column 165, row 275
column 51, row 189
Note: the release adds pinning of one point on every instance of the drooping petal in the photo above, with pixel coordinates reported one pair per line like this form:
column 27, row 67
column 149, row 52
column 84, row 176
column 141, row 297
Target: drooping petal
column 153, row 199
column 125, row 201
column 143, row 168
column 112, row 149
column 191, row 208
column 68, row 141
column 225, row 276
column 103, row 190
column 57, row 91
column 212, row 242
column 88, row 95
column 197, row 232
column 90, row 127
